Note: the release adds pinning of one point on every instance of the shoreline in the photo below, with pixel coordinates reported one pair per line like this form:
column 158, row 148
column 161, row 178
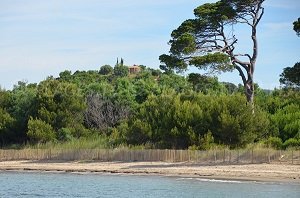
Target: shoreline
column 247, row 172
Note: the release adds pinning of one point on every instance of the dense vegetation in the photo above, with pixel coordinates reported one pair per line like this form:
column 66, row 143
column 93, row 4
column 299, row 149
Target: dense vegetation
column 149, row 108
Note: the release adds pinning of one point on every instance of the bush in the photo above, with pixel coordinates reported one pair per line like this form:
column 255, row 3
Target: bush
column 138, row 132
column 291, row 143
column 106, row 69
column 119, row 134
column 207, row 141
column 120, row 71
column 40, row 131
column 274, row 142
column 65, row 134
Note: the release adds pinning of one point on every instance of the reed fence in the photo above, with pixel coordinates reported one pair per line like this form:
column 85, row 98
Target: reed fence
column 217, row 156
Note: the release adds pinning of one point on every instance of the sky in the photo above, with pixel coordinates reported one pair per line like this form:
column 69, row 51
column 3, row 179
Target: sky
column 39, row 38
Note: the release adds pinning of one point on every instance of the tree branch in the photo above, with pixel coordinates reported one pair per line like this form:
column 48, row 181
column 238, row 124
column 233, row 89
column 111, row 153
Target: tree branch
column 247, row 55
column 244, row 65
column 246, row 21
column 260, row 16
column 241, row 73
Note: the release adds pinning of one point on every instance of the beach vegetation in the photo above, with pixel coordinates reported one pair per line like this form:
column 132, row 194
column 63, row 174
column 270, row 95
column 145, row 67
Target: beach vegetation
column 168, row 111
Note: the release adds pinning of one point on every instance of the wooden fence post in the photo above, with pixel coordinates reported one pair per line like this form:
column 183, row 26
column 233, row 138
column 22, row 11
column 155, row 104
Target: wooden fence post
column 252, row 156
column 215, row 155
column 280, row 156
column 269, row 158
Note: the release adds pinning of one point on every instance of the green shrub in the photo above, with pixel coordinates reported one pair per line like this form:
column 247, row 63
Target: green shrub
column 207, row 141
column 65, row 134
column 118, row 135
column 40, row 131
column 291, row 143
column 273, row 142
column 106, row 69
column 120, row 71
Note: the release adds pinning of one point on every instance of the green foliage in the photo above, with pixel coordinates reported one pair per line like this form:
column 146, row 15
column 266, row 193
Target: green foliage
column 172, row 62
column 65, row 134
column 82, row 78
column 5, row 120
column 175, row 120
column 185, row 44
column 138, row 132
column 287, row 120
column 213, row 13
column 106, row 69
column 172, row 81
column 297, row 26
column 21, row 105
column 207, row 141
column 125, row 92
column 205, row 84
column 65, row 75
column 40, row 131
column 290, row 77
column 273, row 142
column 61, row 105
column 230, row 87
column 169, row 119
column 161, row 110
column 119, row 134
column 155, row 72
column 291, row 143
column 145, row 87
column 216, row 62
column 103, row 88
column 120, row 71
column 234, row 122
column 4, row 98
column 95, row 141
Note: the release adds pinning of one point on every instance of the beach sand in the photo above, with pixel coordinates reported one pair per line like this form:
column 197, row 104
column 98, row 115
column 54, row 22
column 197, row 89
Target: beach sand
column 252, row 172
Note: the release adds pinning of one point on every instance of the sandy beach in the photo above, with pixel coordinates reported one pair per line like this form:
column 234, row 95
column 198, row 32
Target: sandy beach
column 256, row 172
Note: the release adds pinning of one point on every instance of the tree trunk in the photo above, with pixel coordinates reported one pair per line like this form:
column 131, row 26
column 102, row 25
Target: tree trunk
column 249, row 92
column 249, row 86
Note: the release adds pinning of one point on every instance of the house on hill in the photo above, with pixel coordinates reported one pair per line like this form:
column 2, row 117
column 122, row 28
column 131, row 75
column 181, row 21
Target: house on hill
column 134, row 69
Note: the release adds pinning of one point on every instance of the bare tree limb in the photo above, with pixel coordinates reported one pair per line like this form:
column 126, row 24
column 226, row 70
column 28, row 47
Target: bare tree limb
column 102, row 113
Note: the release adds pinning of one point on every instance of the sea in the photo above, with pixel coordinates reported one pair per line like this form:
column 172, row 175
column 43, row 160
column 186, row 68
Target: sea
column 47, row 184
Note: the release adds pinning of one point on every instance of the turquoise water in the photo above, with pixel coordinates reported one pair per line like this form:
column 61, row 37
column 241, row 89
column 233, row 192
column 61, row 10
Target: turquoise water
column 28, row 184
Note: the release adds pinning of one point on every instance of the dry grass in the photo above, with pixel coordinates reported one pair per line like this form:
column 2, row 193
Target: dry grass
column 213, row 156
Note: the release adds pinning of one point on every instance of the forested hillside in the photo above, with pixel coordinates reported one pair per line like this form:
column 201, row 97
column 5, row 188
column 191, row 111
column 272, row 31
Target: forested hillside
column 148, row 108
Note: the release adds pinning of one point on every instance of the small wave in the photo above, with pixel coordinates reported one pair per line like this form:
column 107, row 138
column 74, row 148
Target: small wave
column 186, row 178
column 211, row 180
column 219, row 180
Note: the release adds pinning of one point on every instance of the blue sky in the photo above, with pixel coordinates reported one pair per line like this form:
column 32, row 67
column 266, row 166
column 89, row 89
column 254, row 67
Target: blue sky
column 41, row 38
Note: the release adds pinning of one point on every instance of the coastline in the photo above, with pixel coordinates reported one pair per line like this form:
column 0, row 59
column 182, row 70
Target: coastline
column 247, row 172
